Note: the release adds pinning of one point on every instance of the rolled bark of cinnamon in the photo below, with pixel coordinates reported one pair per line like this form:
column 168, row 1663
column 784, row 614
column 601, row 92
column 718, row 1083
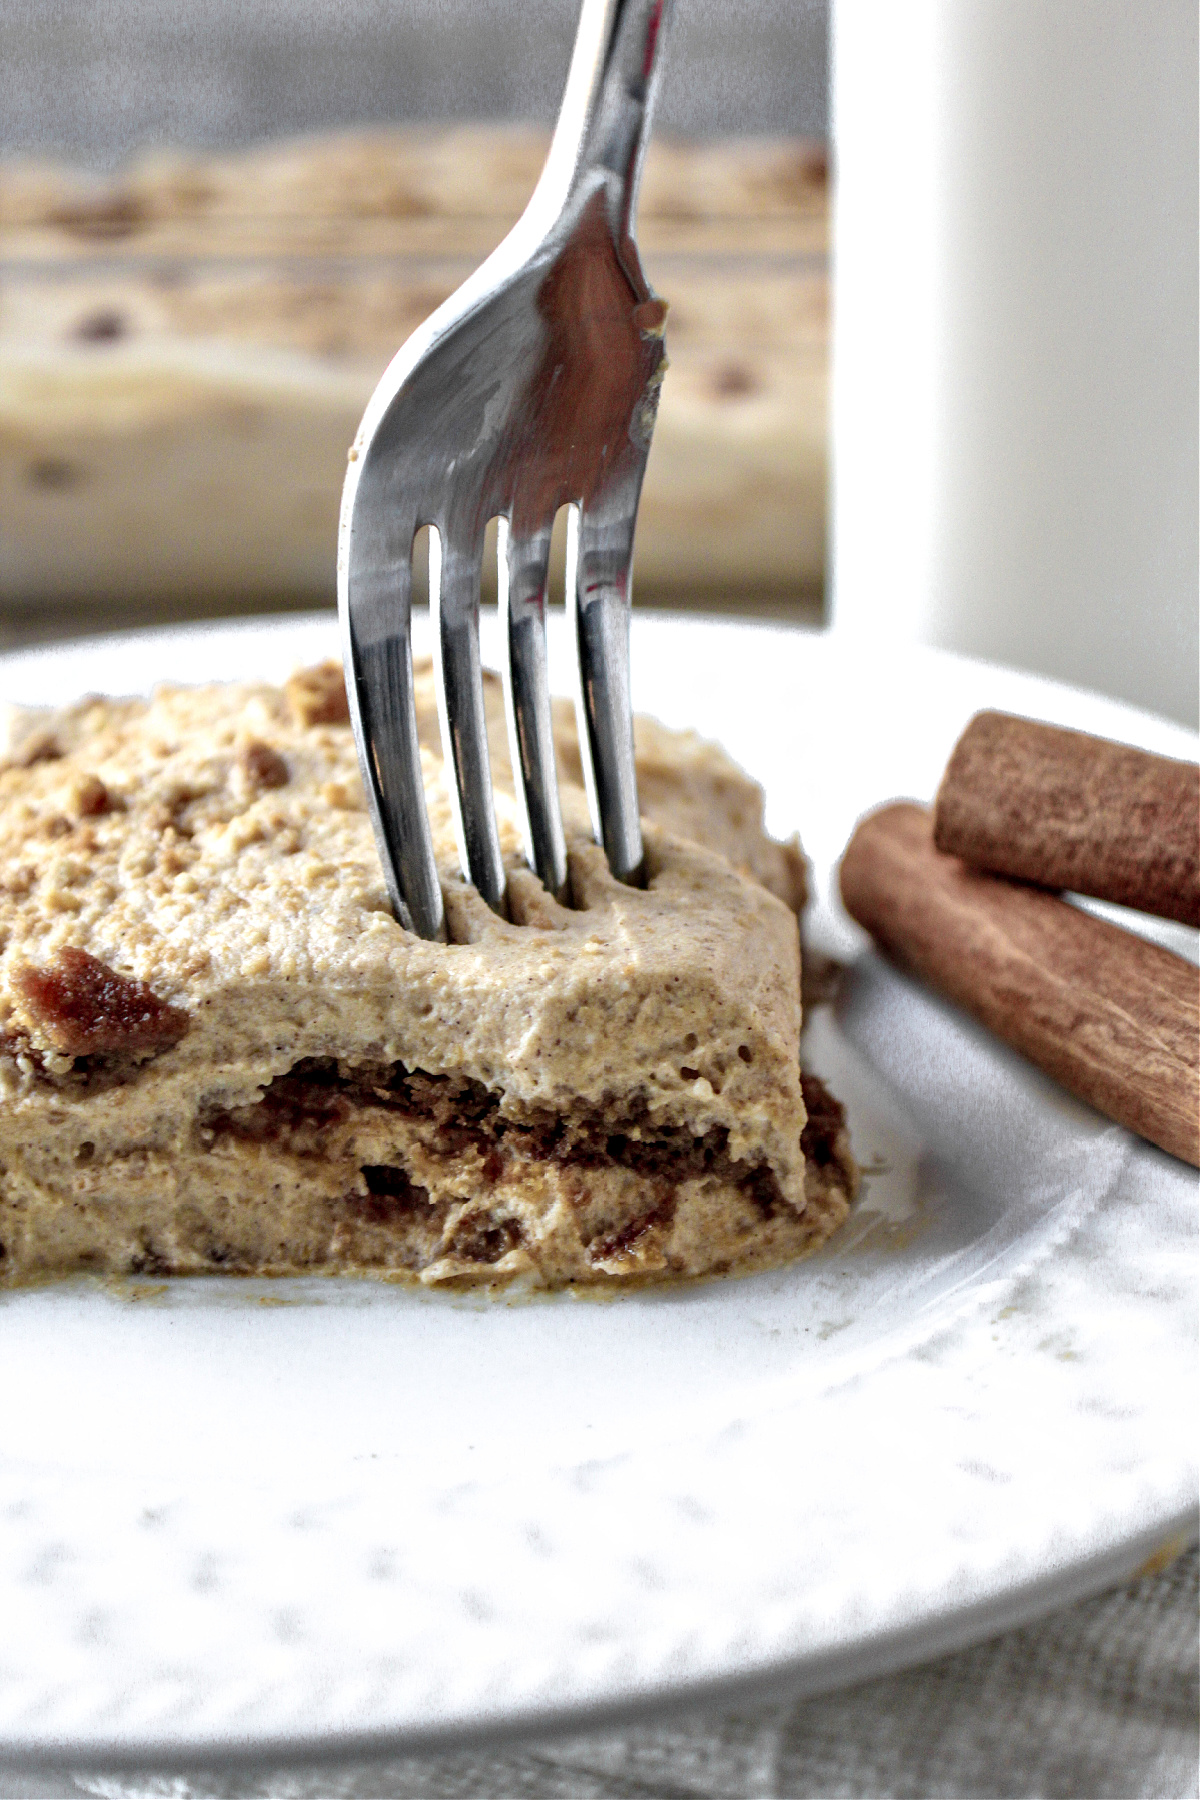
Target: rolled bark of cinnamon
column 1072, row 811
column 1115, row 1019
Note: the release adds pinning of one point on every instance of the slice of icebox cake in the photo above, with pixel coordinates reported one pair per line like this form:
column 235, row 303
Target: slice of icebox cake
column 220, row 1052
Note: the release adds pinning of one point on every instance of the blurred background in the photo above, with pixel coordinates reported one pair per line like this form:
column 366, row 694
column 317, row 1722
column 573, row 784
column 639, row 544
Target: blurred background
column 218, row 220
column 97, row 80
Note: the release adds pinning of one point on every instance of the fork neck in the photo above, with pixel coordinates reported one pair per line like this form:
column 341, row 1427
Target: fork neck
column 604, row 122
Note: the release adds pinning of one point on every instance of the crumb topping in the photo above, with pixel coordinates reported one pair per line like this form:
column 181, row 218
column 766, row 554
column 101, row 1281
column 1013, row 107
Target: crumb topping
column 261, row 766
column 317, row 696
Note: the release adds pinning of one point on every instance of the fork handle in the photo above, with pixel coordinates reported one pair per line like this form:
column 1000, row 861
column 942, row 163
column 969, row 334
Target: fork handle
column 604, row 121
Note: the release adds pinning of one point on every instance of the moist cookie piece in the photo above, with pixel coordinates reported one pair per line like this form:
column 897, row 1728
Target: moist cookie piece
column 219, row 1051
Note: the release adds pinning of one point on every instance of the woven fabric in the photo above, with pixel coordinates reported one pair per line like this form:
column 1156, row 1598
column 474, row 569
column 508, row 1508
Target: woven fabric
column 1101, row 1699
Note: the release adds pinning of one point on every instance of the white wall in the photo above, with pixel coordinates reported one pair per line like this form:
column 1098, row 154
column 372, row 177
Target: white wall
column 1015, row 334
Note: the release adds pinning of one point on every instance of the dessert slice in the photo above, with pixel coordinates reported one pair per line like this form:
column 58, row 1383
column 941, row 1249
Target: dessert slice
column 219, row 1051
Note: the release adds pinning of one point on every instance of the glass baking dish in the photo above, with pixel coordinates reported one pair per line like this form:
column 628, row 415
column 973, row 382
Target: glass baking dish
column 186, row 347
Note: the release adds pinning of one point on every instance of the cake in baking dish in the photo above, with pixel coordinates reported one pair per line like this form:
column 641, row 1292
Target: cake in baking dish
column 188, row 343
column 220, row 1052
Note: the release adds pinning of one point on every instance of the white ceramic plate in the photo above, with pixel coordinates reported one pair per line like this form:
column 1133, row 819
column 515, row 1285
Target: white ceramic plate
column 250, row 1517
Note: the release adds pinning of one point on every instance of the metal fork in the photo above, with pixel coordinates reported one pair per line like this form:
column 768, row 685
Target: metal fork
column 532, row 387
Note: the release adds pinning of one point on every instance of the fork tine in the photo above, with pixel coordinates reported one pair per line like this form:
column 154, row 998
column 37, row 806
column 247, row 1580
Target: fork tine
column 377, row 652
column 454, row 603
column 541, row 370
column 599, row 559
column 524, row 561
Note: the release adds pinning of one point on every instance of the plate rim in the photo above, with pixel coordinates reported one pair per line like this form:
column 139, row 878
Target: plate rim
column 885, row 1653
column 841, row 637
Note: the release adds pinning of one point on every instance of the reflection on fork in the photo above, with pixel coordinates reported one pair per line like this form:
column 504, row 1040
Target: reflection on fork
column 533, row 387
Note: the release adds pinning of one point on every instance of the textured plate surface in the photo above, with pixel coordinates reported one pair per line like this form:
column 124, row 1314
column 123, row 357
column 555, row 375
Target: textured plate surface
column 251, row 1516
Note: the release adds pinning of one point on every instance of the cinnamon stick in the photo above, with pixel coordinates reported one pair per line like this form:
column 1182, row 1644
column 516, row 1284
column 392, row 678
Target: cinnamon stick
column 1071, row 811
column 1113, row 1018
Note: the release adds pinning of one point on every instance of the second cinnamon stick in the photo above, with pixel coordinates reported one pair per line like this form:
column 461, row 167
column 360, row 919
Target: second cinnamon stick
column 1072, row 811
column 1115, row 1019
